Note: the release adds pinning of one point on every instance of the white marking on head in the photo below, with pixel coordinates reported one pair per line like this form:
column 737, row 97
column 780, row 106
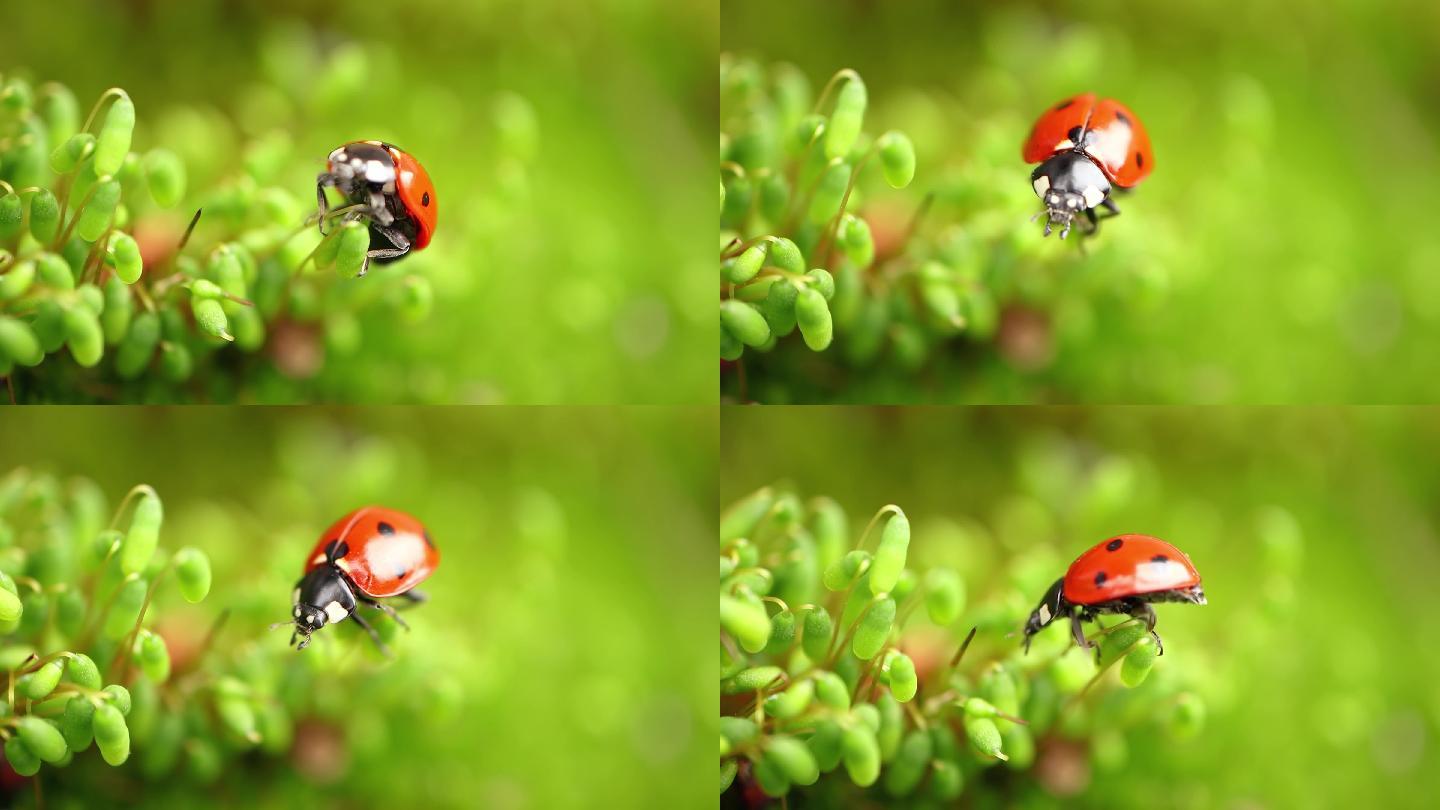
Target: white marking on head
column 319, row 558
column 1044, row 614
column 1093, row 196
column 377, row 172
column 295, row 597
column 335, row 613
column 343, row 564
column 1065, row 144
column 297, row 611
column 1042, row 185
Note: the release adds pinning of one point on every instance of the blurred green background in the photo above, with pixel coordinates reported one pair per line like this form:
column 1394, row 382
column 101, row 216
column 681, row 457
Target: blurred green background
column 550, row 666
column 1315, row 531
column 554, row 134
column 1283, row 250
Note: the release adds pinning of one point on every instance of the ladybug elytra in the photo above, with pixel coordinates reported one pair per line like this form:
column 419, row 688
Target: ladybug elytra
column 1123, row 575
column 1085, row 145
column 393, row 191
column 368, row 555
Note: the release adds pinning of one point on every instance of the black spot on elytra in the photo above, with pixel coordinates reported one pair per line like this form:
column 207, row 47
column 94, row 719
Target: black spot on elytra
column 1123, row 117
column 1139, row 160
column 385, row 528
column 1074, row 134
column 1114, row 545
column 425, row 199
column 1062, row 105
column 1160, row 558
column 1100, row 579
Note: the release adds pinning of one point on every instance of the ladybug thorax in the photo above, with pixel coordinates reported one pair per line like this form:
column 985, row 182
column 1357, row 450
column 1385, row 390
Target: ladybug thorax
column 322, row 597
column 1070, row 182
column 363, row 159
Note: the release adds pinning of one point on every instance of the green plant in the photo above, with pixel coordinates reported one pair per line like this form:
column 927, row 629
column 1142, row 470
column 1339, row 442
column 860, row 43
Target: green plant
column 789, row 179
column 837, row 651
column 91, row 266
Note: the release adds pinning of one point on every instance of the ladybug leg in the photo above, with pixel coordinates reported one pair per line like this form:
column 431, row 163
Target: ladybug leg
column 324, row 181
column 1145, row 613
column 380, row 212
column 1077, row 630
column 415, row 596
column 389, row 611
column 374, row 636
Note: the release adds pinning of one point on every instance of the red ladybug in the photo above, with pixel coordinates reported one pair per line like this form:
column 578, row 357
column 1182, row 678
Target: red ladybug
column 369, row 554
column 1083, row 145
column 394, row 190
column 1125, row 575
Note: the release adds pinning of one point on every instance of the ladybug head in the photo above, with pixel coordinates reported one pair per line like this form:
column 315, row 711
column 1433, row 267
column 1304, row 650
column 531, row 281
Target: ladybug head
column 1069, row 184
column 321, row 597
column 1049, row 610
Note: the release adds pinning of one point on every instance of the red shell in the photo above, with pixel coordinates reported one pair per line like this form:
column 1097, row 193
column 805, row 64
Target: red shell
column 416, row 191
column 1113, row 137
column 386, row 552
column 1128, row 565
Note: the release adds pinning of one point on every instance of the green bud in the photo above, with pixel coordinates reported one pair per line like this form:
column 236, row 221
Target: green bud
column 416, row 299
column 12, row 216
column 738, row 730
column 126, row 609
column 944, row 595
column 903, row 683
column 44, row 216
column 857, row 242
column 831, row 689
column 770, row 778
column 874, row 628
column 782, row 633
column 816, row 638
column 842, row 573
column 746, row 620
column 112, row 736
column 897, row 158
column 54, row 271
column 786, row 255
column 861, row 754
column 59, row 110
column 794, row 700
column 946, row 780
column 138, row 346
column 39, row 684
column 352, row 249
column 1137, row 664
column 744, row 516
column 17, row 280
column 113, row 142
column 824, row 282
column 1187, row 718
column 238, row 716
column 779, row 307
column 11, row 610
column 84, row 336
column 76, row 725
column 69, row 154
column 829, row 193
column 119, row 696
column 792, row 758
column 123, row 254
column 890, row 555
column 748, row 264
column 844, row 125
column 176, row 363
column 729, row 766
column 774, row 196
column 144, row 534
column 744, row 322
column 19, row 343
column 165, row 175
column 43, row 738
column 192, row 573
column 82, row 671
column 983, row 734
column 21, row 758
column 753, row 680
column 1019, row 744
column 908, row 767
column 210, row 318
column 119, row 307
column 202, row 288
column 98, row 211
column 70, row 612
column 813, row 316
column 1117, row 642
column 153, row 657
column 730, row 347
